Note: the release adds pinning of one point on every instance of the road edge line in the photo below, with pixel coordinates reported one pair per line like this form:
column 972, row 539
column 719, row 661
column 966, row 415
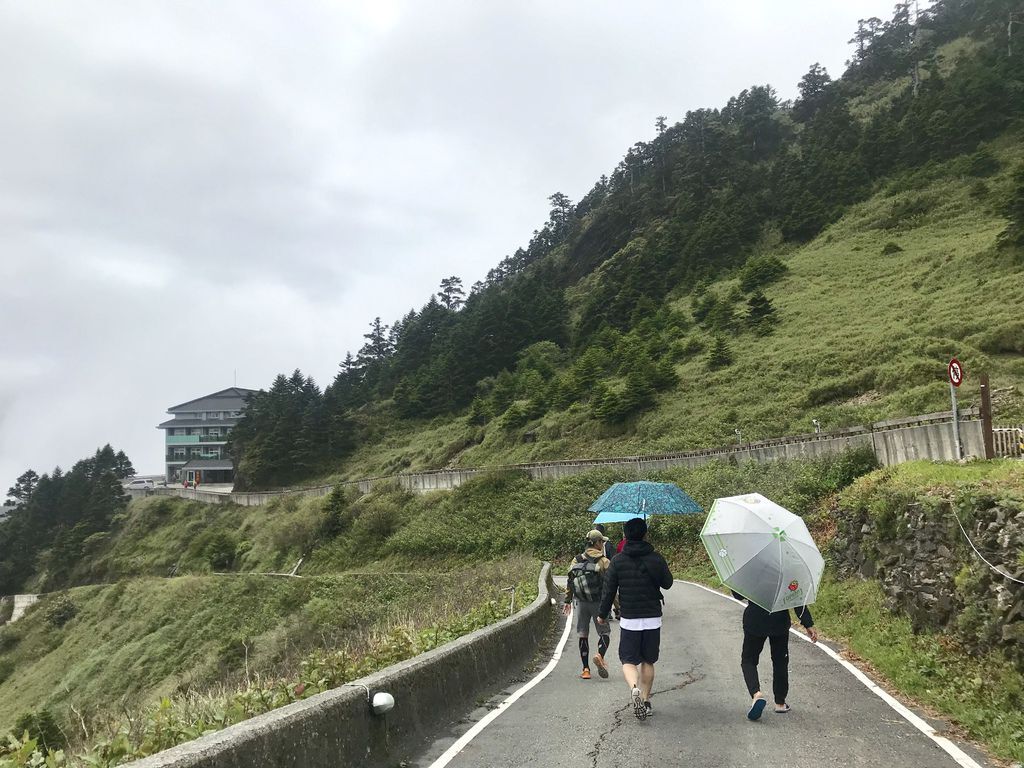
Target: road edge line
column 947, row 746
column 472, row 733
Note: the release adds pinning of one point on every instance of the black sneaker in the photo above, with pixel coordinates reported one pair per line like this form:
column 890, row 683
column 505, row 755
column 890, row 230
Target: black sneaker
column 649, row 708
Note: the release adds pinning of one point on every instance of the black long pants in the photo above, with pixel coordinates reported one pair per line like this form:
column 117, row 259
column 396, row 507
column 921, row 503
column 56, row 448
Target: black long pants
column 752, row 647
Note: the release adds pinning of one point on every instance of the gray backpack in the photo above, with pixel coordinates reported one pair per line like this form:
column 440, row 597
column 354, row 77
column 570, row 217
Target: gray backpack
column 586, row 579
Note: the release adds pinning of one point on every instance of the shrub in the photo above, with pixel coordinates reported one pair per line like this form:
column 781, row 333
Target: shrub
column 514, row 417
column 42, row 727
column 983, row 163
column 890, row 248
column 759, row 271
column 60, row 610
column 220, row 550
column 907, row 211
column 840, row 389
column 6, row 609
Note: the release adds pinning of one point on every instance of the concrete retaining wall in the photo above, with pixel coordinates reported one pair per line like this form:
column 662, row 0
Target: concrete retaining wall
column 336, row 728
column 929, row 436
column 21, row 604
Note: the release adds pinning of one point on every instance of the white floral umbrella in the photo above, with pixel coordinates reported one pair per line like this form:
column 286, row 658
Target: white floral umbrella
column 763, row 551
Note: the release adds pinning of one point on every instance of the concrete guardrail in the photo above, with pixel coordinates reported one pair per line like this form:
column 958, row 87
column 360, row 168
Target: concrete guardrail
column 336, row 728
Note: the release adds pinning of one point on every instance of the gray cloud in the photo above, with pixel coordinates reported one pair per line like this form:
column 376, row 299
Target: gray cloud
column 188, row 190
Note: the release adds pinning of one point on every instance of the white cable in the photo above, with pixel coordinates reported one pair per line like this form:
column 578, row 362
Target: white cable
column 978, row 553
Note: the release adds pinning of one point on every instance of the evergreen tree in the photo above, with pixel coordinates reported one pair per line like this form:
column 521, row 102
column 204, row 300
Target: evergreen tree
column 479, row 412
column 451, row 293
column 813, row 88
column 761, row 314
column 513, row 418
column 23, row 487
column 720, row 354
column 1013, row 235
column 123, row 466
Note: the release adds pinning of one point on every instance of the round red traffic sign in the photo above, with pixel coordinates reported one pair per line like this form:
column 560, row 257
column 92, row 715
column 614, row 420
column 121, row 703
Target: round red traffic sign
column 956, row 372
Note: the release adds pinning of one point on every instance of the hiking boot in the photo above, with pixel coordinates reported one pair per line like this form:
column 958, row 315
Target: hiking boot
column 585, row 674
column 638, row 705
column 602, row 668
column 649, row 708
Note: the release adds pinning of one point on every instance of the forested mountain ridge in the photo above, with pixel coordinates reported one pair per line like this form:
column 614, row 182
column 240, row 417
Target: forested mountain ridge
column 684, row 261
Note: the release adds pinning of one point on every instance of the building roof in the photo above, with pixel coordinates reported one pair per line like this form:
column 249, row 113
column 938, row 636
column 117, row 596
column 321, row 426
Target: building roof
column 197, row 423
column 209, row 464
column 232, row 399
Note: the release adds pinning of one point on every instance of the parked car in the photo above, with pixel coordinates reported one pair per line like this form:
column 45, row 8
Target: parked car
column 139, row 484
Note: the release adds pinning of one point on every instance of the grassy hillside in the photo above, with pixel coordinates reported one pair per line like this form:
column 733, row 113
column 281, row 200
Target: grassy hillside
column 868, row 315
column 392, row 529
column 102, row 651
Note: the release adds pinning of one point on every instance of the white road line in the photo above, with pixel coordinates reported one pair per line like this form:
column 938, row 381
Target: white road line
column 486, row 720
column 961, row 757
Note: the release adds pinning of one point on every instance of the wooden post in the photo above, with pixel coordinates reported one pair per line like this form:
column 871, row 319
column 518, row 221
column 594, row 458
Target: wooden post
column 986, row 417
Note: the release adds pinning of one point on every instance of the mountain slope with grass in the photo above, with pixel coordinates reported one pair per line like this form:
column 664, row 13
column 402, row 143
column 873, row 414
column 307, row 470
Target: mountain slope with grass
column 751, row 268
column 866, row 316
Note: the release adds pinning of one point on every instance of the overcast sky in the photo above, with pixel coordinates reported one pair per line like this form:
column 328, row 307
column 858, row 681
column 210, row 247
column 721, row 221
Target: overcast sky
column 194, row 189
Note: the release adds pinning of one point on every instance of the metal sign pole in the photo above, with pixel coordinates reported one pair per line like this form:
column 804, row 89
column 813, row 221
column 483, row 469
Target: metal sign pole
column 956, row 424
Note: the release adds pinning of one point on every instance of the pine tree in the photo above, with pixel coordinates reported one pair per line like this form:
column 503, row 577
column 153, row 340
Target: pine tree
column 23, row 487
column 451, row 293
column 479, row 412
column 720, row 354
column 761, row 315
column 123, row 466
column 1013, row 235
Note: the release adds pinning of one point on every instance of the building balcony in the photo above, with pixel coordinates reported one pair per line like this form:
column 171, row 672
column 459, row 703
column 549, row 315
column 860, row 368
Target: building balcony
column 193, row 439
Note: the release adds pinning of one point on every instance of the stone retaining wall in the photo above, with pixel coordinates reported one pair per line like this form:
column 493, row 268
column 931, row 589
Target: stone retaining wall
column 336, row 728
column 928, row 571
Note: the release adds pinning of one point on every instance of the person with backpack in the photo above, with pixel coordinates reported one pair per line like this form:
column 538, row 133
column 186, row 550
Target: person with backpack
column 638, row 574
column 583, row 590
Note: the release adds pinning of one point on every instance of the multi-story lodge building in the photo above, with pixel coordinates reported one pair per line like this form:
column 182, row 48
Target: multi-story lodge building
column 195, row 439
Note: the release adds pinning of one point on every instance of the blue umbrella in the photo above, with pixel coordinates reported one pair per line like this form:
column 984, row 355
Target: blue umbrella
column 624, row 501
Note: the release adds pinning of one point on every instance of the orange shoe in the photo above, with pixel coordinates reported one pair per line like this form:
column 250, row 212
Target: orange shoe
column 586, row 674
column 602, row 667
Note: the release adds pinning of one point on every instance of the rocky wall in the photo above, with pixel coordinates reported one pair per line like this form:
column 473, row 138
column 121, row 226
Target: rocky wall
column 911, row 543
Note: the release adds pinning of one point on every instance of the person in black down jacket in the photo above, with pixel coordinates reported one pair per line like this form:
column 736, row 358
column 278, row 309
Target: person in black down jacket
column 758, row 626
column 638, row 574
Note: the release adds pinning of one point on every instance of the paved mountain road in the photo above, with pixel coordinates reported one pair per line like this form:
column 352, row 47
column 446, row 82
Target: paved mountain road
column 700, row 705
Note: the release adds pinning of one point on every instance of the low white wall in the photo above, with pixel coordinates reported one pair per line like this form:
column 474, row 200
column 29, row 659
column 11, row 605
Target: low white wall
column 894, row 441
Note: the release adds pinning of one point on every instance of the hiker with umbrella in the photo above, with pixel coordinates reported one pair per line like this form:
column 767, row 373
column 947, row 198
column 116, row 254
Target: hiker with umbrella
column 765, row 555
column 638, row 574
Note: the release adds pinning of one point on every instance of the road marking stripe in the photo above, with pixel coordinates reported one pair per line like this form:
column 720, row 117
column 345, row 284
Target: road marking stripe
column 486, row 720
column 961, row 757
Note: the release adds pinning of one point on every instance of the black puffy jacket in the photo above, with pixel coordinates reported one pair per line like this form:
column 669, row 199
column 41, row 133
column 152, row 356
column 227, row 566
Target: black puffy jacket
column 639, row 574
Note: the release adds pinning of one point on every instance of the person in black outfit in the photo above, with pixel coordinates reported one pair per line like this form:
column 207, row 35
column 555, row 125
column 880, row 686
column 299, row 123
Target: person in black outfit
column 638, row 574
column 609, row 552
column 760, row 625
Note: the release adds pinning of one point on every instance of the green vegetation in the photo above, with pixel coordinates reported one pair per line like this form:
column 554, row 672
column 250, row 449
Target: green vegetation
column 983, row 694
column 127, row 669
column 843, row 245
column 61, row 519
column 750, row 269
